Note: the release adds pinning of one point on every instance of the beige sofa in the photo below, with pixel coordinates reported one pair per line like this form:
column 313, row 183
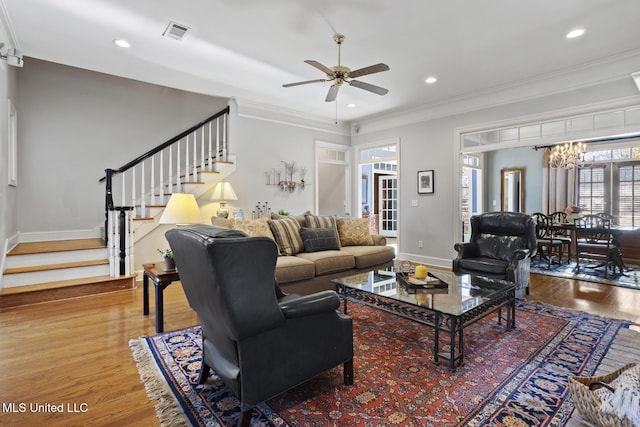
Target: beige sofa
column 309, row 268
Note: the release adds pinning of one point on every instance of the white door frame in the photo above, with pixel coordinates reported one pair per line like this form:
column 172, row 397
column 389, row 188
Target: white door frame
column 347, row 173
column 381, row 220
column 358, row 170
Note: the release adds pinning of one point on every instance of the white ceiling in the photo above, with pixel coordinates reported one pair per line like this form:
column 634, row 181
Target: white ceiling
column 248, row 48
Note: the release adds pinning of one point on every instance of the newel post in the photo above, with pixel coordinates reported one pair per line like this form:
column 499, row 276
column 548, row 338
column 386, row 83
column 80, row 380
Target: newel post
column 108, row 201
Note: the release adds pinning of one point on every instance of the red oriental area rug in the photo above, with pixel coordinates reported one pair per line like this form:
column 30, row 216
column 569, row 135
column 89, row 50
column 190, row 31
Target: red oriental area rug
column 516, row 378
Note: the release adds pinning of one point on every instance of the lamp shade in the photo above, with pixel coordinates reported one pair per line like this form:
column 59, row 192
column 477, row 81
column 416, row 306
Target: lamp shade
column 181, row 209
column 224, row 191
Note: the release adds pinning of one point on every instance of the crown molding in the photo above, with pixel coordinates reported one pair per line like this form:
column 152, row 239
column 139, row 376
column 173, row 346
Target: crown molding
column 270, row 113
column 7, row 33
column 606, row 70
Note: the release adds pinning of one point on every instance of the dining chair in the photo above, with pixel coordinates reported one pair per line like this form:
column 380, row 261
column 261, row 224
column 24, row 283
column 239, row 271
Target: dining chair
column 547, row 243
column 562, row 234
column 606, row 216
column 594, row 242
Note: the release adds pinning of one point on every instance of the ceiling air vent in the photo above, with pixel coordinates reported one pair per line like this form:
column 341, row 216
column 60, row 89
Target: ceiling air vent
column 175, row 31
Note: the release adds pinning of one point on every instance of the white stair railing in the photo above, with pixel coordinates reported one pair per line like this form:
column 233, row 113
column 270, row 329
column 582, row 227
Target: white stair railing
column 151, row 178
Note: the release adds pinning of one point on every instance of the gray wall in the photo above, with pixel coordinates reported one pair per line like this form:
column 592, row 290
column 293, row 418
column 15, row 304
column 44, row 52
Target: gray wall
column 428, row 144
column 8, row 195
column 75, row 123
column 261, row 145
column 525, row 158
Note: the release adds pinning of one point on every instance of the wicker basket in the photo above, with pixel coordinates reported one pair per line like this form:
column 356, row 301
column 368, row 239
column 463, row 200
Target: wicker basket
column 587, row 402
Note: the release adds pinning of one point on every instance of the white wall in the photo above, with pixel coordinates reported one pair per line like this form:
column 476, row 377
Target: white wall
column 429, row 144
column 74, row 124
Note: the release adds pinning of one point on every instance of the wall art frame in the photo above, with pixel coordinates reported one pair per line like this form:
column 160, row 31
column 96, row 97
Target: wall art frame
column 426, row 184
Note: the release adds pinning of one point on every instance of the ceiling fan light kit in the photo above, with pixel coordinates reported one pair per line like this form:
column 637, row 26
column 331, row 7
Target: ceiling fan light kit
column 340, row 74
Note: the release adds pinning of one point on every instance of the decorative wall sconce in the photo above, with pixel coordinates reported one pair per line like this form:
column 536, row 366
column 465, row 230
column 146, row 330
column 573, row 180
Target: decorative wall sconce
column 283, row 178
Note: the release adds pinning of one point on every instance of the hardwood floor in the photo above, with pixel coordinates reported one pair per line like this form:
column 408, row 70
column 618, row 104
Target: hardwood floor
column 75, row 352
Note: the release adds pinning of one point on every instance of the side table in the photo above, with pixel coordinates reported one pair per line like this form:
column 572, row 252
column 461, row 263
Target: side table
column 161, row 279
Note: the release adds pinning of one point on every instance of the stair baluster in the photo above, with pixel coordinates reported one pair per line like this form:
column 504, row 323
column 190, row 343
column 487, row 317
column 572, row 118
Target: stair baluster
column 146, row 185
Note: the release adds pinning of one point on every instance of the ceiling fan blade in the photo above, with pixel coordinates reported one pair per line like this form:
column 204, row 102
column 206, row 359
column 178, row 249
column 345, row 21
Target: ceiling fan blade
column 328, row 71
column 367, row 86
column 377, row 68
column 304, row 83
column 332, row 94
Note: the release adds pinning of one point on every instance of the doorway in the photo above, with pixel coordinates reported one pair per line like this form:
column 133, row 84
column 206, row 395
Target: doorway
column 333, row 192
column 388, row 205
column 471, row 191
column 378, row 193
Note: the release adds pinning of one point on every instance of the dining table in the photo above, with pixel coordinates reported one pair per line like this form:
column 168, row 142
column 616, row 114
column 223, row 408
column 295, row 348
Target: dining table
column 617, row 232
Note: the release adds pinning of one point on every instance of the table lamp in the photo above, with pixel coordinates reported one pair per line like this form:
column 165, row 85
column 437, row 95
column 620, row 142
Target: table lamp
column 223, row 192
column 182, row 209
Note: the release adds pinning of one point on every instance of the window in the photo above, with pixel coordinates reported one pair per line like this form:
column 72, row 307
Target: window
column 613, row 184
column 628, row 194
column 592, row 189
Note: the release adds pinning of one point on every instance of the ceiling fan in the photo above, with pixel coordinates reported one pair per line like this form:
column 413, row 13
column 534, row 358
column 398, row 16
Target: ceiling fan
column 340, row 74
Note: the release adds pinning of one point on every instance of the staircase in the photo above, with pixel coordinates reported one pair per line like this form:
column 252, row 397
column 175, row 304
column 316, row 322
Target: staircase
column 192, row 162
column 45, row 271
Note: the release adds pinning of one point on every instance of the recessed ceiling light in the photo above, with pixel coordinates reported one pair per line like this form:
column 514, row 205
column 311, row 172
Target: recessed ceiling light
column 431, row 80
column 122, row 43
column 575, row 33
column 351, row 105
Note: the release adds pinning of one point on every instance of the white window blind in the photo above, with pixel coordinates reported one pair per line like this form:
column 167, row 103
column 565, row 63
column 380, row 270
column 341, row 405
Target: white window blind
column 628, row 203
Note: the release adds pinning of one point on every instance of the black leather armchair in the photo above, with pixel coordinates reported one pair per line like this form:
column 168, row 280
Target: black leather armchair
column 501, row 247
column 259, row 341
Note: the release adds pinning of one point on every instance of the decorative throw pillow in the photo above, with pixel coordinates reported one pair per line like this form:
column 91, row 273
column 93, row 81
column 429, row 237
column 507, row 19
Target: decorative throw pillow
column 223, row 222
column 254, row 228
column 314, row 221
column 354, row 232
column 299, row 218
column 287, row 235
column 319, row 239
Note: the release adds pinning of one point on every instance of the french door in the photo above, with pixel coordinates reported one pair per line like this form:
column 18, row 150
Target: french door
column 388, row 205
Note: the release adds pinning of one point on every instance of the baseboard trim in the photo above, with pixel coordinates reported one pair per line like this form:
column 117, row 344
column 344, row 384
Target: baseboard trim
column 43, row 236
column 435, row 262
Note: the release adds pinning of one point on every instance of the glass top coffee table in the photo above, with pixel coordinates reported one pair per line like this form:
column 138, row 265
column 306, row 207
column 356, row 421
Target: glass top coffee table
column 461, row 301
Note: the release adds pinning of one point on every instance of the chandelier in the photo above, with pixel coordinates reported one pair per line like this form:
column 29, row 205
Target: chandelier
column 567, row 156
